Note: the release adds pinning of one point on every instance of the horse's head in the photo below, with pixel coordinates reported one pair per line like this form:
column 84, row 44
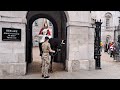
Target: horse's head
column 55, row 43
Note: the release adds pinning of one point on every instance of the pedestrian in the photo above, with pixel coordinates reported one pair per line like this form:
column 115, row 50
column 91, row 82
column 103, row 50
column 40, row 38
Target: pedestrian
column 112, row 48
column 109, row 45
column 101, row 46
column 105, row 47
column 46, row 48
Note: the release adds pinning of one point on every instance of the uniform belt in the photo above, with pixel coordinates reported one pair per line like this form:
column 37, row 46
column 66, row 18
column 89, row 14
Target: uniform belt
column 45, row 52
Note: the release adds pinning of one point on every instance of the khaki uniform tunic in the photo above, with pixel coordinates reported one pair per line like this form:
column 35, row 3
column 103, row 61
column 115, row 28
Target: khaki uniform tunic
column 45, row 58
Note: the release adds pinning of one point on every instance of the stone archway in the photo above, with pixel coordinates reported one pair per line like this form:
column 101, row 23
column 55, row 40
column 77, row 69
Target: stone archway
column 58, row 19
column 108, row 38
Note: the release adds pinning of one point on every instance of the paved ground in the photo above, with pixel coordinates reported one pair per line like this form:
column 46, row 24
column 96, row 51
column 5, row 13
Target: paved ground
column 110, row 70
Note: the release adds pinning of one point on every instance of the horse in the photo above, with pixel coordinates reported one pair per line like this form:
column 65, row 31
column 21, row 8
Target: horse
column 56, row 44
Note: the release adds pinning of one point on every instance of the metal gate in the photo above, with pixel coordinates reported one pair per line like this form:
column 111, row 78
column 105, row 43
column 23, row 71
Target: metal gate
column 97, row 47
column 117, row 43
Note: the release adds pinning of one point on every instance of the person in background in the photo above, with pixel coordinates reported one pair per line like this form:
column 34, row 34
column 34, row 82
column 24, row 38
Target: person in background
column 112, row 48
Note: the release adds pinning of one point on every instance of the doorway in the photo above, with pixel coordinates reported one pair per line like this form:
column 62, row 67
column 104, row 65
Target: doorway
column 58, row 20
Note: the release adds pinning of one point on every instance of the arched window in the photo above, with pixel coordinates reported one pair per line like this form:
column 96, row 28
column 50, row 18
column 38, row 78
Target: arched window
column 108, row 38
column 50, row 24
column 119, row 20
column 107, row 22
column 108, row 17
column 36, row 22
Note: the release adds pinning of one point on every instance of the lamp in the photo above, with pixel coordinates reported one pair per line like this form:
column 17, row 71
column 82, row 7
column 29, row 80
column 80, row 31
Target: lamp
column 93, row 23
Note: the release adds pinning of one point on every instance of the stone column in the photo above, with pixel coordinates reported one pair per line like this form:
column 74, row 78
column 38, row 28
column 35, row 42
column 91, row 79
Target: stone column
column 12, row 53
column 91, row 48
column 80, row 46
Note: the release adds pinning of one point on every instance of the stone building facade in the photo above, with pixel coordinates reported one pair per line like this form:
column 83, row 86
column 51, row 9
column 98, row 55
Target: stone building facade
column 110, row 20
column 80, row 42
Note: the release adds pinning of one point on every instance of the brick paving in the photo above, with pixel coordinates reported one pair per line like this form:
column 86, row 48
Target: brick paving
column 110, row 70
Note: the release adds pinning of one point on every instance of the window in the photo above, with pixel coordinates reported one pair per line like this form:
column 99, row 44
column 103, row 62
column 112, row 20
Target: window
column 119, row 20
column 119, row 38
column 108, row 38
column 107, row 23
column 36, row 23
column 108, row 17
column 50, row 24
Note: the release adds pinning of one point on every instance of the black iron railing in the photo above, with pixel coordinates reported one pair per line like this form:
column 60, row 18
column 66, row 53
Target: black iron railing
column 97, row 47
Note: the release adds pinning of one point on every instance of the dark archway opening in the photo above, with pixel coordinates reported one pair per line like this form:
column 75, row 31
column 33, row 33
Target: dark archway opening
column 58, row 19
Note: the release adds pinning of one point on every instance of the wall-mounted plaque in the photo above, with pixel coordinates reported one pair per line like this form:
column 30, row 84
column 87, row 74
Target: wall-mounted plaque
column 11, row 34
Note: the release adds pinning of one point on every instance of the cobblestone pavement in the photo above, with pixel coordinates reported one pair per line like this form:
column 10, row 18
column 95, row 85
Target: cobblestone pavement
column 110, row 70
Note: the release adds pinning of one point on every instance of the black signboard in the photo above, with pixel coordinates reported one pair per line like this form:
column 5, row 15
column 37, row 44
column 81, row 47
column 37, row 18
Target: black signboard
column 11, row 34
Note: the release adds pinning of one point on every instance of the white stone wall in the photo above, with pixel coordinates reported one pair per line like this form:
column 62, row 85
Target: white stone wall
column 12, row 53
column 80, row 42
column 80, row 48
column 17, row 14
